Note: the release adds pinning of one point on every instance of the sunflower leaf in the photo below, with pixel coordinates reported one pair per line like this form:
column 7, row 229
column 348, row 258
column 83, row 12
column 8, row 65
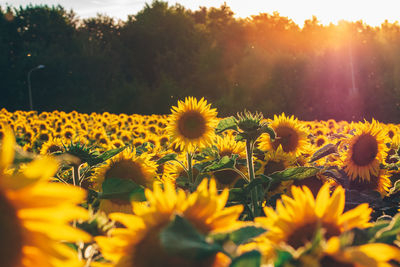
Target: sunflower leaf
column 395, row 188
column 282, row 257
column 114, row 188
column 105, row 156
column 239, row 236
column 248, row 259
column 224, row 163
column 226, row 124
column 323, row 152
column 389, row 233
column 296, row 173
column 167, row 158
column 180, row 238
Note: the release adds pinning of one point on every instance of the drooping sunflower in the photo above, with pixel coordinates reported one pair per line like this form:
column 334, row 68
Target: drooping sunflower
column 139, row 243
column 128, row 166
column 192, row 124
column 296, row 220
column 35, row 214
column 290, row 134
column 366, row 150
column 227, row 146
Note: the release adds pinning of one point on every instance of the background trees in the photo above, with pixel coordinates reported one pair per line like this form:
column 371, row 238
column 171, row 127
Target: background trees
column 164, row 53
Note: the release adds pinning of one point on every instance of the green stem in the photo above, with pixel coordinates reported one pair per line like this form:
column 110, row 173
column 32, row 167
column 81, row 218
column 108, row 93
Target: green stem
column 76, row 175
column 250, row 167
column 190, row 170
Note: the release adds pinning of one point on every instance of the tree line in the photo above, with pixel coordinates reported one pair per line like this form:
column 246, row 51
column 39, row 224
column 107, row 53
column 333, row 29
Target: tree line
column 164, row 52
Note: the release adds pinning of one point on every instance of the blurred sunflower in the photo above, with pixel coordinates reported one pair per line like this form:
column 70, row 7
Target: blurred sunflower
column 366, row 150
column 372, row 254
column 128, row 166
column 290, row 134
column 380, row 183
column 35, row 214
column 138, row 244
column 297, row 219
column 192, row 124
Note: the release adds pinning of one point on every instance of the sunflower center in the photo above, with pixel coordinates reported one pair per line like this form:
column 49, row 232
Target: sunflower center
column 365, row 150
column 11, row 235
column 128, row 170
column 226, row 177
column 370, row 185
column 306, row 233
column 320, row 142
column 287, row 137
column 149, row 253
column 54, row 148
column 192, row 125
column 274, row 166
column 313, row 183
column 328, row 261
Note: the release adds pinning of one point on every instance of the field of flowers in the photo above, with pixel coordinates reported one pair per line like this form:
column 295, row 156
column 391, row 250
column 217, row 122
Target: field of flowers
column 192, row 189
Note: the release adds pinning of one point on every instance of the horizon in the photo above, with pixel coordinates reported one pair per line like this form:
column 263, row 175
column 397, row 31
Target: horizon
column 327, row 12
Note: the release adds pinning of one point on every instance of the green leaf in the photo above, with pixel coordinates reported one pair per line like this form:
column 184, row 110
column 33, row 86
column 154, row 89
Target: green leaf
column 259, row 180
column 180, row 238
column 266, row 129
column 240, row 137
column 296, row 173
column 248, row 259
column 224, row 163
column 167, row 158
column 323, row 152
column 395, row 188
column 237, row 194
column 226, row 124
column 240, row 236
column 389, row 233
column 114, row 188
column 143, row 148
column 105, row 156
column 282, row 257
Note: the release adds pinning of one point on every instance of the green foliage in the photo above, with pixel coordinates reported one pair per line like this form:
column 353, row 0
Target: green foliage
column 295, row 173
column 323, row 152
column 167, row 158
column 239, row 236
column 114, row 188
column 248, row 259
column 180, row 238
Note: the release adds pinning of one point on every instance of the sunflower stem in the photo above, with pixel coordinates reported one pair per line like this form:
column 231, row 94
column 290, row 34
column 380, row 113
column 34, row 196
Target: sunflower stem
column 190, row 170
column 76, row 175
column 250, row 167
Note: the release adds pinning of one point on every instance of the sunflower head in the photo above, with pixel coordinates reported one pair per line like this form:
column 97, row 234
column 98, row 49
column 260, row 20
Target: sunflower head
column 192, row 124
column 366, row 150
column 138, row 244
column 297, row 219
column 290, row 134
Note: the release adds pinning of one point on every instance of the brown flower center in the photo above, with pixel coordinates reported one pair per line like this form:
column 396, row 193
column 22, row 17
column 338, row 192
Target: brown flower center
column 54, row 148
column 313, row 183
column 365, row 150
column 305, row 234
column 128, row 170
column 287, row 137
column 11, row 235
column 192, row 125
column 320, row 142
column 274, row 166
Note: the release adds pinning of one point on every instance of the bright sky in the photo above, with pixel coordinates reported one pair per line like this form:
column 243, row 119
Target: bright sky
column 370, row 11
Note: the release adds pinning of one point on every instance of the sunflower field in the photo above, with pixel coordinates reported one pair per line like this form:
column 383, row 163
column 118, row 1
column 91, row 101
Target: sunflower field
column 192, row 189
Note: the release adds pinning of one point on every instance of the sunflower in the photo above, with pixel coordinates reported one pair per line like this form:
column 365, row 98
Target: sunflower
column 227, row 146
column 372, row 254
column 35, row 214
column 380, row 183
column 138, row 244
column 297, row 219
column 192, row 124
column 52, row 146
column 128, row 166
column 366, row 150
column 290, row 134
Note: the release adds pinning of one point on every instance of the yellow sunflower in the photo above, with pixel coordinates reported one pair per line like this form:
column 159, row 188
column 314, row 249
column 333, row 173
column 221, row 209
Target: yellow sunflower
column 380, row 183
column 138, row 244
column 192, row 124
column 35, row 214
column 52, row 146
column 126, row 165
column 372, row 254
column 366, row 150
column 227, row 146
column 290, row 134
column 297, row 219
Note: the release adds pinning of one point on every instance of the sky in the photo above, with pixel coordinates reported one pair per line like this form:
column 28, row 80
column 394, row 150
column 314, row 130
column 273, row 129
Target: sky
column 327, row 11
